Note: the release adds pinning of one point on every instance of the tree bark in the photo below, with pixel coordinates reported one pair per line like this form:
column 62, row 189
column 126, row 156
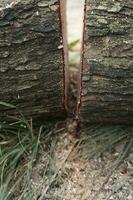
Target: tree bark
column 32, row 57
column 107, row 72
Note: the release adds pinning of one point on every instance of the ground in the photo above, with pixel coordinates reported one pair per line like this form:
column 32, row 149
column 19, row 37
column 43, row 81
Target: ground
column 66, row 175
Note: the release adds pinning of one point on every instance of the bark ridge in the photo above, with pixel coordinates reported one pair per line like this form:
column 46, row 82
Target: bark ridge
column 107, row 74
column 31, row 57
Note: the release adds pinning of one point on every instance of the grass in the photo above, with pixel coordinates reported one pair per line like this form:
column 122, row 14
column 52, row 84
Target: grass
column 20, row 145
column 19, row 148
column 73, row 44
column 102, row 139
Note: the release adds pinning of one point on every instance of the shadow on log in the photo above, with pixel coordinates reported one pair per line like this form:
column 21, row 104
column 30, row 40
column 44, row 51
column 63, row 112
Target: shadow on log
column 106, row 77
column 32, row 57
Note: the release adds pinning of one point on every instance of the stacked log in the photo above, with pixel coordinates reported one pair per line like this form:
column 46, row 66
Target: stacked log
column 33, row 60
column 33, row 75
column 106, row 76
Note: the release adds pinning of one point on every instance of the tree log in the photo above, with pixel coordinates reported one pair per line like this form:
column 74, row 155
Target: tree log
column 33, row 57
column 106, row 76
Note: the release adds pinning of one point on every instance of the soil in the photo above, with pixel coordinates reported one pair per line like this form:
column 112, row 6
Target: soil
column 67, row 176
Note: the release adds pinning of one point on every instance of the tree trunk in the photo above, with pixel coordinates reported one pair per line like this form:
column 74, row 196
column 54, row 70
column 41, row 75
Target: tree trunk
column 107, row 71
column 32, row 57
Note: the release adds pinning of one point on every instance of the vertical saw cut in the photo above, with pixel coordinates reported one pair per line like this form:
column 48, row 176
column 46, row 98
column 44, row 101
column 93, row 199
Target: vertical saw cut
column 106, row 75
column 33, row 57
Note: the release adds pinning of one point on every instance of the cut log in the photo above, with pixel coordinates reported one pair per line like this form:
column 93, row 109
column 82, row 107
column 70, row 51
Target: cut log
column 33, row 60
column 106, row 76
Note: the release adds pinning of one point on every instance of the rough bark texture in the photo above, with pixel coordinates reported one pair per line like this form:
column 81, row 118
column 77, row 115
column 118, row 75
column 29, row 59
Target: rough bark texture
column 107, row 74
column 32, row 73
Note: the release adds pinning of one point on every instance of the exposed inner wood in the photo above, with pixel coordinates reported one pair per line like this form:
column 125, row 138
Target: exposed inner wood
column 75, row 10
column 63, row 27
column 80, row 75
